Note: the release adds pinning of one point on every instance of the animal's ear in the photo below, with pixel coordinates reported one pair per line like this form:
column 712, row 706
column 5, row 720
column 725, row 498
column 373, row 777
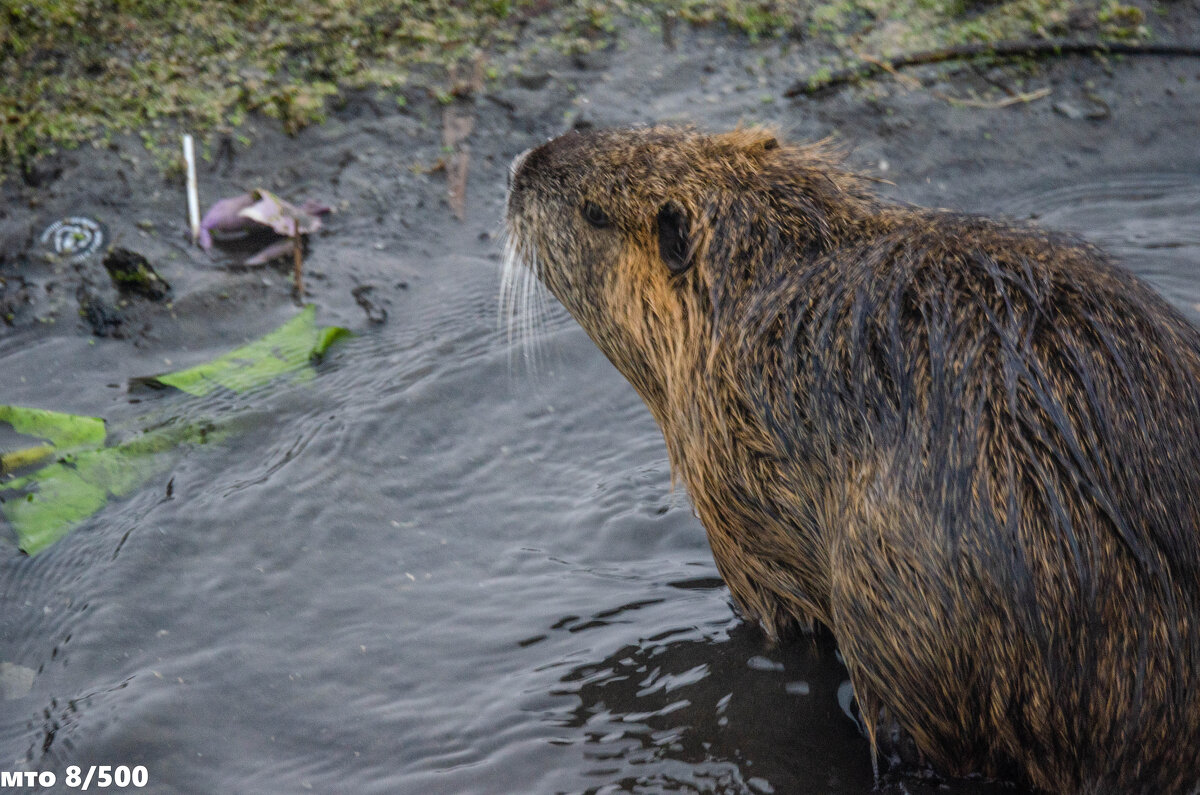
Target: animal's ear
column 675, row 244
column 752, row 140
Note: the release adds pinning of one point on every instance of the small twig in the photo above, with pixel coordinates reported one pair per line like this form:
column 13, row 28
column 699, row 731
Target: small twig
column 991, row 79
column 1015, row 99
column 912, row 84
column 1005, row 49
column 297, row 263
column 908, row 81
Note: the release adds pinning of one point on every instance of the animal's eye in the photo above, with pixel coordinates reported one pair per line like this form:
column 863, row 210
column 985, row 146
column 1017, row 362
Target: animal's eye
column 595, row 216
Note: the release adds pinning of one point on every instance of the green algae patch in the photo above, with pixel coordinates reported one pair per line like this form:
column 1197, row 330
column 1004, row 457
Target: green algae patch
column 87, row 471
column 78, row 71
column 74, row 71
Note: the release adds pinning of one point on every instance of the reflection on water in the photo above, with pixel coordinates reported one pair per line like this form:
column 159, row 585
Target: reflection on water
column 425, row 572
column 1149, row 222
column 714, row 712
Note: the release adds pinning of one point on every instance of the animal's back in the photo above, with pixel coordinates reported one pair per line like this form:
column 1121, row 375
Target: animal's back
column 1006, row 432
column 971, row 449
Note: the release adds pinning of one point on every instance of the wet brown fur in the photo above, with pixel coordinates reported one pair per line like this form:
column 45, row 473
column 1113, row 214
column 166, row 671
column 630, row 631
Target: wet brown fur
column 970, row 449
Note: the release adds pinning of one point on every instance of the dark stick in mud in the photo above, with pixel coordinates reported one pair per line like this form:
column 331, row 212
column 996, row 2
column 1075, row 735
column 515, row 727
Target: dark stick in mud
column 1003, row 50
column 297, row 262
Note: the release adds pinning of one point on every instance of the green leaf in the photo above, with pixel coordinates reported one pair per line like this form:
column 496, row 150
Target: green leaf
column 46, row 505
column 61, row 430
column 287, row 348
column 63, row 498
column 327, row 336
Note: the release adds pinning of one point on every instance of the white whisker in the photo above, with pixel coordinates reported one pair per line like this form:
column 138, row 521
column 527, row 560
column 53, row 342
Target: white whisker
column 529, row 304
column 523, row 304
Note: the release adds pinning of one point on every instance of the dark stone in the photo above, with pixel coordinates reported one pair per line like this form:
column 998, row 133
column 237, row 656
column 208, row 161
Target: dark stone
column 362, row 296
column 104, row 319
column 131, row 273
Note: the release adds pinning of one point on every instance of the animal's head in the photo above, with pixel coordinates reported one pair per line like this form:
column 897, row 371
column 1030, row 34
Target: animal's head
column 648, row 235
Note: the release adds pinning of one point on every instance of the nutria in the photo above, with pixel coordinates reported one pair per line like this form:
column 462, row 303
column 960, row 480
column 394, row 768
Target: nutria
column 971, row 449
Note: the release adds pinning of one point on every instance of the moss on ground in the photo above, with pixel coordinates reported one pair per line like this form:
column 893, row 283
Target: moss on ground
column 78, row 71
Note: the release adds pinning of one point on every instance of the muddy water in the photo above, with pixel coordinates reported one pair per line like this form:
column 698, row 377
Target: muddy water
column 440, row 567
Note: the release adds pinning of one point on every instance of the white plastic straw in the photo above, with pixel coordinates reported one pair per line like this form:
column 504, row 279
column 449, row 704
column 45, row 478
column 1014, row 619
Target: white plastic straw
column 189, row 156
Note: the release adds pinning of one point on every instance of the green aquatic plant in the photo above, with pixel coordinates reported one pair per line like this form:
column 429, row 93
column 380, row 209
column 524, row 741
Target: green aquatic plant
column 89, row 469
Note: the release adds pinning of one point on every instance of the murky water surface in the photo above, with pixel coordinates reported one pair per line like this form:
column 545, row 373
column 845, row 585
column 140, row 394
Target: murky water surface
column 432, row 570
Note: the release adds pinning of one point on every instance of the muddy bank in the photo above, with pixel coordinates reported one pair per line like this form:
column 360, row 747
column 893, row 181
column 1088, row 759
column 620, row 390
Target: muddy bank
column 386, row 170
